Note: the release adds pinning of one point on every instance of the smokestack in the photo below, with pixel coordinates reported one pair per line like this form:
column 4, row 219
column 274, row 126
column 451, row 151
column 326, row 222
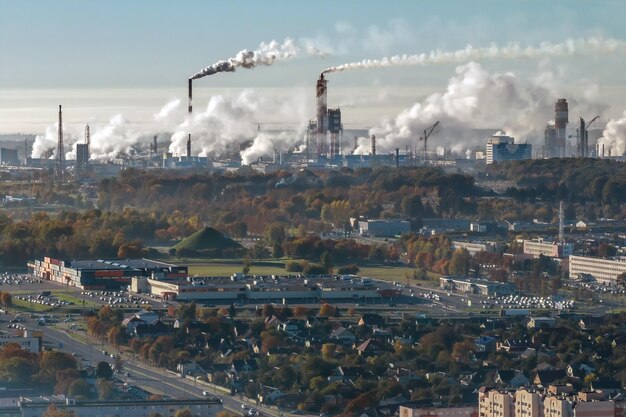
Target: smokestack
column 190, row 95
column 154, row 144
column 397, row 157
column 322, row 113
column 60, row 163
column 190, row 109
column 561, row 118
column 373, row 152
column 87, row 135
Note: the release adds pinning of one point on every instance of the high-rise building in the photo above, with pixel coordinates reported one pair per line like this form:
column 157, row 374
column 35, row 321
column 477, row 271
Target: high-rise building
column 503, row 148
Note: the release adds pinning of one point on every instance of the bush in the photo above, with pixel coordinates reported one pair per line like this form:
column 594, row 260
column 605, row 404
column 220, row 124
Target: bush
column 348, row 269
column 314, row 269
column 294, row 266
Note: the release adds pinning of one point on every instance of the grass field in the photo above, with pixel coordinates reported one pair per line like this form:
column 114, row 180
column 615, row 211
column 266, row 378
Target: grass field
column 24, row 305
column 230, row 266
column 218, row 268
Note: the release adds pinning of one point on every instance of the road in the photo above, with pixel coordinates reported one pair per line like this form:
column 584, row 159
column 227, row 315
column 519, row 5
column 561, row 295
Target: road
column 141, row 374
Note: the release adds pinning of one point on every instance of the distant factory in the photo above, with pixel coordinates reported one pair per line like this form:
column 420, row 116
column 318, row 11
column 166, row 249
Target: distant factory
column 325, row 144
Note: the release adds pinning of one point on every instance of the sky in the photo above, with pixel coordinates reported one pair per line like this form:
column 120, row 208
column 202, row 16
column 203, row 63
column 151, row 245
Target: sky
column 101, row 59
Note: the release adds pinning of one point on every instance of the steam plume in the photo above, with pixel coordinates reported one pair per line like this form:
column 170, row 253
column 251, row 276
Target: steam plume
column 614, row 137
column 509, row 51
column 474, row 98
column 267, row 54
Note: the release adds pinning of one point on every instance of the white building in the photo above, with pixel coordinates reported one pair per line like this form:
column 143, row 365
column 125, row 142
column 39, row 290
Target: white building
column 602, row 270
column 538, row 247
column 475, row 247
column 384, row 227
column 26, row 342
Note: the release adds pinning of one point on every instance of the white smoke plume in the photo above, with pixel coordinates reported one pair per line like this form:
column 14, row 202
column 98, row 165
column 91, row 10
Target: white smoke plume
column 267, row 54
column 474, row 98
column 591, row 45
column 167, row 110
column 227, row 123
column 614, row 137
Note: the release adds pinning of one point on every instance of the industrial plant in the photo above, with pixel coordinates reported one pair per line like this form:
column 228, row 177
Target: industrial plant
column 323, row 143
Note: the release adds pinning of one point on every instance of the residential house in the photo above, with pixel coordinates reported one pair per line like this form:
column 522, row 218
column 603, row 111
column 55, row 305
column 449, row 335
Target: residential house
column 370, row 347
column 343, row 336
column 153, row 330
column 549, row 377
column 243, row 365
column 371, row 320
column 485, row 344
column 511, row 378
column 540, row 323
column 579, row 370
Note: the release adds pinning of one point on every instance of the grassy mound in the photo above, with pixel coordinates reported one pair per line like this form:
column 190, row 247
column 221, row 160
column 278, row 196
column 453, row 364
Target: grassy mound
column 206, row 239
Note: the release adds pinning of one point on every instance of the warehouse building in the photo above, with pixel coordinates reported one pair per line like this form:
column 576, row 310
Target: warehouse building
column 99, row 274
column 384, row 227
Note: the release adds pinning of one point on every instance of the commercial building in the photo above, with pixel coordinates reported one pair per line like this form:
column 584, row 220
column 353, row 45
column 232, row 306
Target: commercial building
column 384, row 227
column 602, row 270
column 273, row 289
column 476, row 286
column 503, row 148
column 101, row 273
column 537, row 248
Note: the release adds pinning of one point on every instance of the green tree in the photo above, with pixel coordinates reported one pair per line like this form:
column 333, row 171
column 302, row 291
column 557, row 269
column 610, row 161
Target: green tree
column 326, row 262
column 103, row 370
column 184, row 412
column 460, row 262
column 79, row 389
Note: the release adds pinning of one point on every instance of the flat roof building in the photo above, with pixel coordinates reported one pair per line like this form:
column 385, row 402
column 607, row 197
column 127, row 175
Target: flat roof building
column 537, row 248
column 503, row 148
column 603, row 270
column 102, row 273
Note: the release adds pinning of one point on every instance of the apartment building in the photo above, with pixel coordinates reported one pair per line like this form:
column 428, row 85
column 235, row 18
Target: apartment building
column 603, row 270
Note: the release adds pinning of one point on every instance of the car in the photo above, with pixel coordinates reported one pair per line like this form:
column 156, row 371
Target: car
column 112, row 355
column 127, row 374
column 205, row 393
column 297, row 412
column 244, row 407
column 105, row 353
column 254, row 412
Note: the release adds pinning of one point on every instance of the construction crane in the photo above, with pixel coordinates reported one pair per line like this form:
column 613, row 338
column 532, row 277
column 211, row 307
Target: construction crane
column 427, row 133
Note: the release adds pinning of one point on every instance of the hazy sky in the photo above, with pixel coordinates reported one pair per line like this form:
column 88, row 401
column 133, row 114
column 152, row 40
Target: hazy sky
column 101, row 58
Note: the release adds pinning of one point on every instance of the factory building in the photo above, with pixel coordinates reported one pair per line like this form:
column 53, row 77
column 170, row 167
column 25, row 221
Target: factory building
column 538, row 248
column 9, row 157
column 473, row 247
column 503, row 148
column 97, row 274
column 604, row 271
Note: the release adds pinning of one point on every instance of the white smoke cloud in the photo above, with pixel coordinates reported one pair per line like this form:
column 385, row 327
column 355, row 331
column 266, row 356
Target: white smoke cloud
column 474, row 98
column 614, row 137
column 592, row 45
column 228, row 123
column 167, row 110
column 266, row 54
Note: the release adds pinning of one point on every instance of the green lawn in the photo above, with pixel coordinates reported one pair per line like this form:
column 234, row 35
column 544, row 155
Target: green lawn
column 27, row 305
column 220, row 268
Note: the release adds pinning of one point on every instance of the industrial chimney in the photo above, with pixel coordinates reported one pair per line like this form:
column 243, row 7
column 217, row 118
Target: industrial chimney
column 322, row 113
column 373, row 152
column 560, row 120
column 60, row 163
column 190, row 94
